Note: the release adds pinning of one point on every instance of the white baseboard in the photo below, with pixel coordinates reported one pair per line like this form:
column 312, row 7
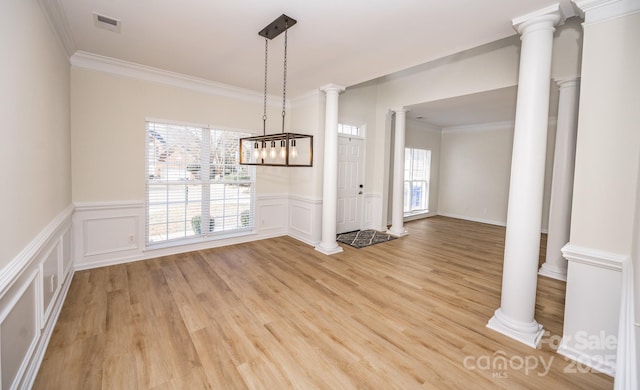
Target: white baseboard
column 33, row 287
column 473, row 219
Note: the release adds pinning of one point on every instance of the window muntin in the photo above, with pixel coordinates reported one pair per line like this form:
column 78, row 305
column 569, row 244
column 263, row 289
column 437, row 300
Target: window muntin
column 417, row 171
column 195, row 186
column 355, row 131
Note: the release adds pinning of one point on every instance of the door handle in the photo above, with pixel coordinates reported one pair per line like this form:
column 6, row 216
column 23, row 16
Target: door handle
column 359, row 192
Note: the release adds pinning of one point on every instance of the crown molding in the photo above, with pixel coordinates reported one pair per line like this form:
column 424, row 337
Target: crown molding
column 594, row 11
column 108, row 65
column 479, row 127
column 424, row 125
column 551, row 122
column 54, row 13
column 313, row 97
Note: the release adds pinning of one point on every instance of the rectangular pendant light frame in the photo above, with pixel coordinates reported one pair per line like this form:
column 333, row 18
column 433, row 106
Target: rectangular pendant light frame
column 305, row 160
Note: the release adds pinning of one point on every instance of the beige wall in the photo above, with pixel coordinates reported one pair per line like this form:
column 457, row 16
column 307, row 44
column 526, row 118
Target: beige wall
column 475, row 168
column 307, row 117
column 474, row 173
column 422, row 136
column 34, row 120
column 108, row 131
column 608, row 145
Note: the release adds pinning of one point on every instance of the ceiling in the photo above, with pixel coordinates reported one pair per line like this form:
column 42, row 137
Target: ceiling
column 494, row 106
column 335, row 41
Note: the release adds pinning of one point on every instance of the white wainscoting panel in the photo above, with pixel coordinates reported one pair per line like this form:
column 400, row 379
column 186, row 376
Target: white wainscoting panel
column 626, row 359
column 108, row 231
column 592, row 307
column 109, row 234
column 114, row 232
column 19, row 330
column 49, row 280
column 32, row 290
column 372, row 218
column 67, row 253
column 271, row 215
column 305, row 219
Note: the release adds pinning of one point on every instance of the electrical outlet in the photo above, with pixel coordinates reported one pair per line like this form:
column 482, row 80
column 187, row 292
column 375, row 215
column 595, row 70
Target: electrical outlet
column 53, row 283
column 132, row 238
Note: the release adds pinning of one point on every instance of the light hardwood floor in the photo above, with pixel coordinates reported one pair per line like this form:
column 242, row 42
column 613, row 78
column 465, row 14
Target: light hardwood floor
column 275, row 314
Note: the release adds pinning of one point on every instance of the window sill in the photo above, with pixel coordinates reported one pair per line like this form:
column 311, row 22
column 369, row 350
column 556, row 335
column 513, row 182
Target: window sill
column 198, row 240
column 416, row 215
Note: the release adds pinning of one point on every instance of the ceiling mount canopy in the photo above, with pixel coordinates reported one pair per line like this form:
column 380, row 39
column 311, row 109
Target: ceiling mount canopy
column 282, row 149
column 277, row 27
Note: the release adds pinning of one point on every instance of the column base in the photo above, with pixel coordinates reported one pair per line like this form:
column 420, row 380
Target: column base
column 397, row 233
column 552, row 272
column 329, row 249
column 526, row 333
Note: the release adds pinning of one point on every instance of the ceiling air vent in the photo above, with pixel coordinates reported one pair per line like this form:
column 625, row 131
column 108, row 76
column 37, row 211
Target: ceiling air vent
column 106, row 22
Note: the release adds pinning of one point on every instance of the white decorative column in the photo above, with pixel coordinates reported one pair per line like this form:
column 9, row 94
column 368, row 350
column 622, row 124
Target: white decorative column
column 397, row 209
column 328, row 244
column 555, row 265
column 515, row 317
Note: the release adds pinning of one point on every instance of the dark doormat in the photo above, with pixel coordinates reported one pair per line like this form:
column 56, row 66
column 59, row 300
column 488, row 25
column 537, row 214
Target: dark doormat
column 362, row 238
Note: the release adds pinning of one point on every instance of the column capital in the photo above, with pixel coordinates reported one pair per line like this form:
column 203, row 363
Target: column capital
column 544, row 19
column 332, row 88
column 399, row 109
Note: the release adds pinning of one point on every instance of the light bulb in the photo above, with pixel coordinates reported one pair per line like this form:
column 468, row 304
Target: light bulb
column 283, row 150
column 256, row 150
column 294, row 149
column 272, row 150
column 263, row 152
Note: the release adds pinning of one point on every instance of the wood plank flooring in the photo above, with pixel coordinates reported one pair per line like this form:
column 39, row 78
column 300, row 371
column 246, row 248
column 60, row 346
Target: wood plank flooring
column 276, row 314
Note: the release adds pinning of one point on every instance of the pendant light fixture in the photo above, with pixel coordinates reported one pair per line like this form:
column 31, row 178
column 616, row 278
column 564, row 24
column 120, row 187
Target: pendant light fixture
column 282, row 149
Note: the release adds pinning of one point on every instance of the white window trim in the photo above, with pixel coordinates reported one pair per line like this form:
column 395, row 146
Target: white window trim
column 206, row 236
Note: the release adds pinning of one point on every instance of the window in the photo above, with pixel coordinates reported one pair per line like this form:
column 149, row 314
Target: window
column 195, row 186
column 417, row 172
column 349, row 130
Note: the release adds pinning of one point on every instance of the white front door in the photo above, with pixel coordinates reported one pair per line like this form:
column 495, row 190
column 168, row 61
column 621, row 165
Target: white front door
column 350, row 183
